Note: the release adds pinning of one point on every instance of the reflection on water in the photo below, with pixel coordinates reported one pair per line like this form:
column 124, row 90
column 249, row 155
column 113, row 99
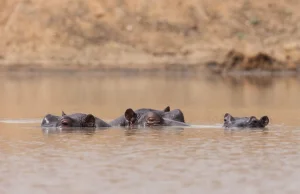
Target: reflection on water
column 202, row 159
column 203, row 98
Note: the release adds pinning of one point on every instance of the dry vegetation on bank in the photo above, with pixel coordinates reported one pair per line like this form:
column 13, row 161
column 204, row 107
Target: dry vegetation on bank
column 153, row 35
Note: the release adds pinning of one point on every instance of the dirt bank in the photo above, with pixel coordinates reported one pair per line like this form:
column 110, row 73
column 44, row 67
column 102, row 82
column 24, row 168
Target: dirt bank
column 237, row 62
column 135, row 34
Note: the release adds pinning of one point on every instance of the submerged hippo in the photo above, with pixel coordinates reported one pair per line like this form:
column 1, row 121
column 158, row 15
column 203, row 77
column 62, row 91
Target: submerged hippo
column 245, row 122
column 175, row 115
column 149, row 119
column 73, row 120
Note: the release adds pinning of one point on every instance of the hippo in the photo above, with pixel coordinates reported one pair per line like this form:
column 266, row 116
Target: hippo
column 149, row 119
column 79, row 120
column 245, row 122
column 175, row 115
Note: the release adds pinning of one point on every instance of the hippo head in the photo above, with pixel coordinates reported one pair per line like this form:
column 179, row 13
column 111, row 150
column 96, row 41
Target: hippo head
column 76, row 120
column 245, row 122
column 69, row 121
column 149, row 118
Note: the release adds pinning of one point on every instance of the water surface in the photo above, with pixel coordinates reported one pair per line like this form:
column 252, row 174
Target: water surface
column 202, row 159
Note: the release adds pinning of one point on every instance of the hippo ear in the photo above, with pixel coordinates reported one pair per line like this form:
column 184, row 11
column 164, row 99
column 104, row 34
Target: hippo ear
column 130, row 115
column 89, row 121
column 264, row 120
column 167, row 109
column 228, row 117
column 63, row 113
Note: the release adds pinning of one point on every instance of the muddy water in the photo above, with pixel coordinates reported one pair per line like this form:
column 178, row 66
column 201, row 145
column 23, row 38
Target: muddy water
column 202, row 159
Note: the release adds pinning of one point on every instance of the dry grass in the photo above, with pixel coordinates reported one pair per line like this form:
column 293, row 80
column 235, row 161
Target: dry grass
column 144, row 34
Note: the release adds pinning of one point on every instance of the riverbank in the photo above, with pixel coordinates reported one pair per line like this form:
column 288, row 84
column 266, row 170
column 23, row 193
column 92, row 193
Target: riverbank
column 89, row 35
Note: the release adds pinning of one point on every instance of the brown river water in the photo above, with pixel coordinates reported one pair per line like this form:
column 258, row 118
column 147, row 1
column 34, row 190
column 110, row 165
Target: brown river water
column 204, row 158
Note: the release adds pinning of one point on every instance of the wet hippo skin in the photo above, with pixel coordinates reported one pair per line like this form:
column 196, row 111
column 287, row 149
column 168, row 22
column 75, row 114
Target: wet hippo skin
column 175, row 115
column 245, row 122
column 78, row 120
column 149, row 119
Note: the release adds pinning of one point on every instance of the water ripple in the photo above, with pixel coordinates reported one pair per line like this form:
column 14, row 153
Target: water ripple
column 209, row 160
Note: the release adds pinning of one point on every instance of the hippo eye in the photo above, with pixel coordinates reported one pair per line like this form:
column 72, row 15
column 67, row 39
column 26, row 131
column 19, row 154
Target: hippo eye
column 150, row 119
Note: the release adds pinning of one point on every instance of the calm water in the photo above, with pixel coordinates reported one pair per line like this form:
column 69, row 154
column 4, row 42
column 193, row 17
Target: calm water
column 202, row 159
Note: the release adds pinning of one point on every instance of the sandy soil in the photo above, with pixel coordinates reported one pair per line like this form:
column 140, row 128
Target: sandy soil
column 146, row 35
